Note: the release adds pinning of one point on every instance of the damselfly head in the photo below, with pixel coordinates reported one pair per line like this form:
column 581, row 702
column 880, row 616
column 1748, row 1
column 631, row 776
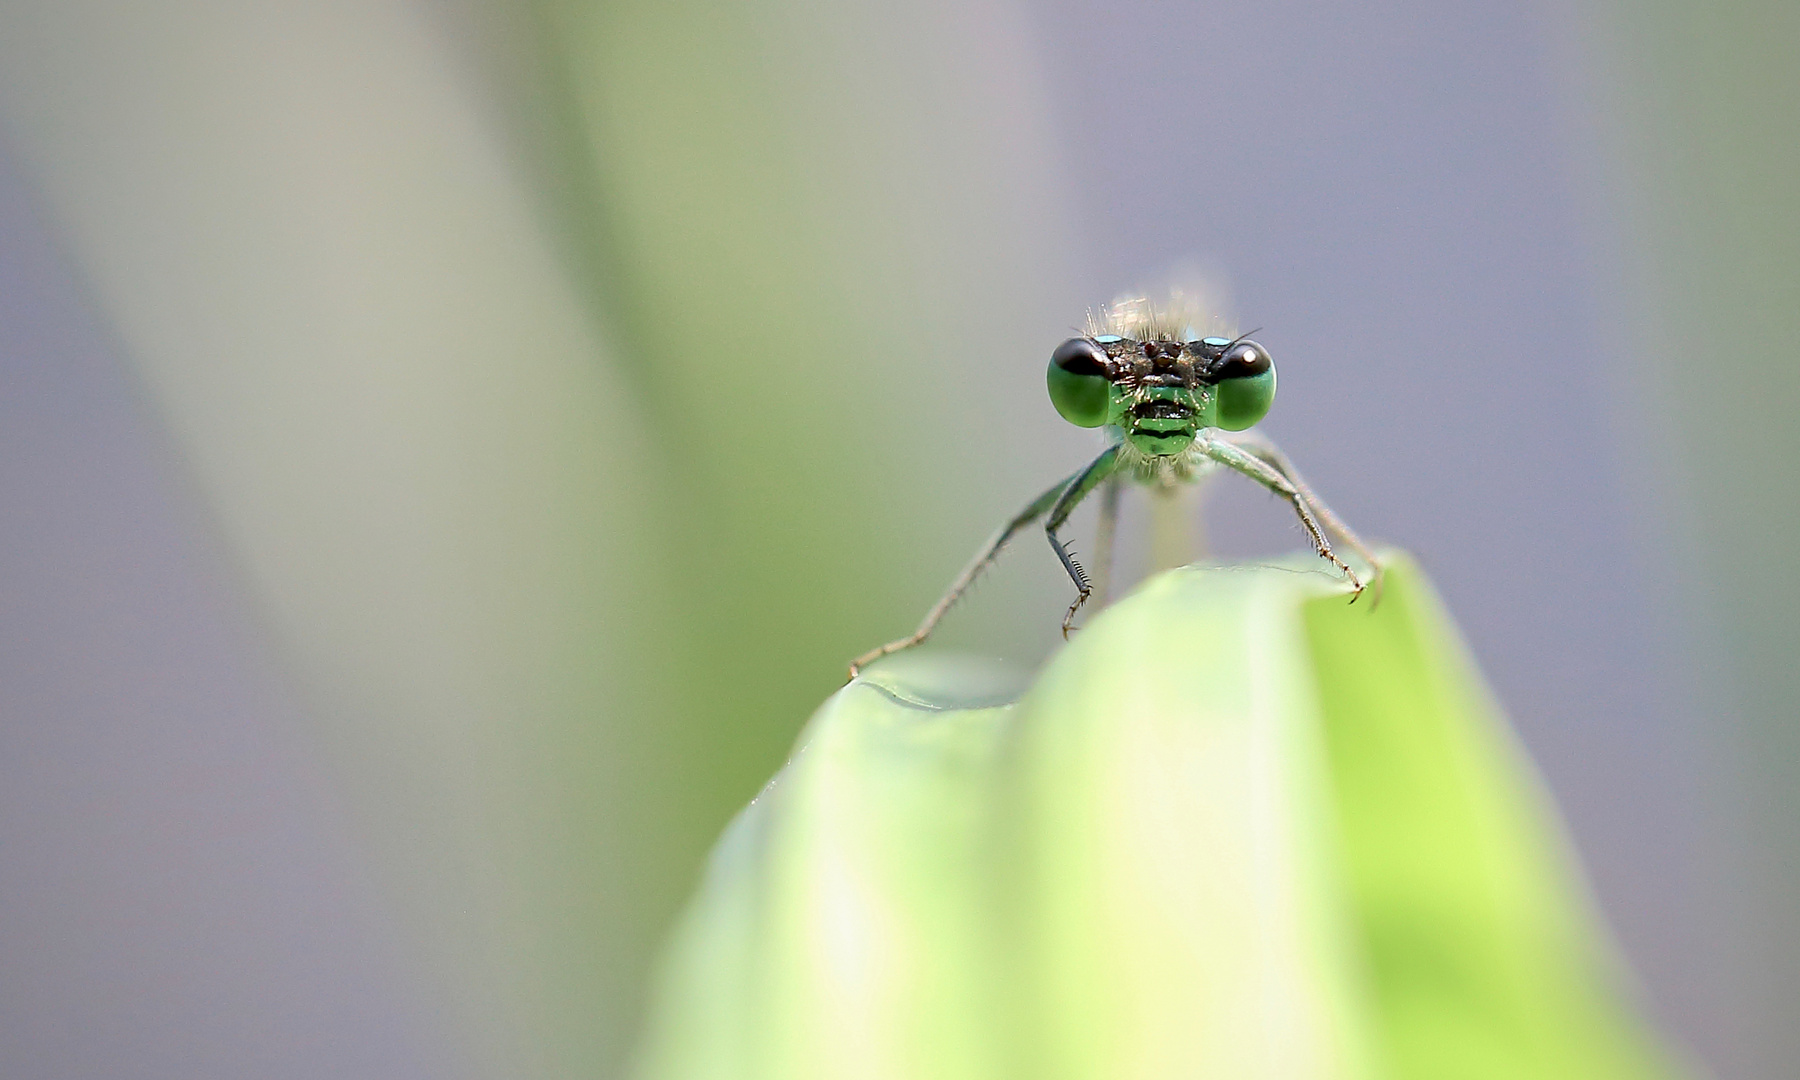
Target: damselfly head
column 1147, row 370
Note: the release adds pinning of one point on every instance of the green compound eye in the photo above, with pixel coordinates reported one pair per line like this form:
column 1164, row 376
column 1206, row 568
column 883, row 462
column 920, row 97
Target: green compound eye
column 1246, row 383
column 1078, row 384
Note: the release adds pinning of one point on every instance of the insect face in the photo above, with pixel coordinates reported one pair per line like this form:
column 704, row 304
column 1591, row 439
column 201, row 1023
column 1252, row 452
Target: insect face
column 1160, row 393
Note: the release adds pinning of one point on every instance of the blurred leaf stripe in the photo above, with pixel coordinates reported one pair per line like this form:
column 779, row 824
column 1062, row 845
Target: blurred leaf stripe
column 523, row 357
column 1698, row 107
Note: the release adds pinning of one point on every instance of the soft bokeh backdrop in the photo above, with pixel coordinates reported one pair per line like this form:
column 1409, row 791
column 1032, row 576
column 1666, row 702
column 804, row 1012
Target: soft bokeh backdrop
column 451, row 446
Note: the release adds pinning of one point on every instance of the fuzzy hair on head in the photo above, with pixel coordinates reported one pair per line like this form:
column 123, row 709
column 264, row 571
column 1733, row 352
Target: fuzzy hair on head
column 1182, row 314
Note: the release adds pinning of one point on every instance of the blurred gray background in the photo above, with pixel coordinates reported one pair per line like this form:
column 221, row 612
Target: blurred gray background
column 1432, row 211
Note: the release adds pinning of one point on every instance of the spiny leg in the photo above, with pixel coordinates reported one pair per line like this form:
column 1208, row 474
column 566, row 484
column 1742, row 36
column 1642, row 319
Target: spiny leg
column 1085, row 481
column 1104, row 534
column 1305, row 504
column 1263, row 447
column 986, row 555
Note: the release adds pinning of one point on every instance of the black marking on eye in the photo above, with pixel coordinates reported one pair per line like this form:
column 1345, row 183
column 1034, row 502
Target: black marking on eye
column 1081, row 356
column 1244, row 360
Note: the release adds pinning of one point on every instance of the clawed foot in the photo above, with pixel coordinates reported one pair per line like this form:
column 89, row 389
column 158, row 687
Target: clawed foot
column 873, row 655
column 1357, row 584
column 1069, row 619
column 1374, row 586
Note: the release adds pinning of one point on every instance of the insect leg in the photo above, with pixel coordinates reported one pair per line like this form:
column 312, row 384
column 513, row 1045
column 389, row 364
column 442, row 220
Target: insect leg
column 1263, row 447
column 1104, row 534
column 1306, row 505
column 1085, row 481
column 989, row 551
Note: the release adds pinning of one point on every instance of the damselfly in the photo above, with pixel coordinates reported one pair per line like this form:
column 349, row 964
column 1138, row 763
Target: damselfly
column 1174, row 405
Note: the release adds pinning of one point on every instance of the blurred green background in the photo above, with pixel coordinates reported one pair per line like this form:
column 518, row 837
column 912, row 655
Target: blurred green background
column 454, row 445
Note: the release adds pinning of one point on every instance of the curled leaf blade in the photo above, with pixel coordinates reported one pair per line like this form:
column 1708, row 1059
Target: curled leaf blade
column 1239, row 828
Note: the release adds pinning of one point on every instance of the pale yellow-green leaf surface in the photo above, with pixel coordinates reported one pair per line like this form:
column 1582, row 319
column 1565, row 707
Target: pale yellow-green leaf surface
column 1239, row 828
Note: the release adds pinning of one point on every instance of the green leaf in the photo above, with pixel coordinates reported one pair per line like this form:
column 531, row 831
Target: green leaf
column 1240, row 828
